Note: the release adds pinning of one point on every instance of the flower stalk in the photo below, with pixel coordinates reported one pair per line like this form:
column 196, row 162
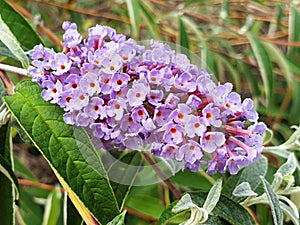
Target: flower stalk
column 14, row 69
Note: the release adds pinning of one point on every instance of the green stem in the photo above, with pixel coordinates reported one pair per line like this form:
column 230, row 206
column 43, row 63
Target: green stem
column 207, row 177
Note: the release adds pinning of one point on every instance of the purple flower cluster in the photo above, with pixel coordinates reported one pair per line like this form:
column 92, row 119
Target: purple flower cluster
column 134, row 97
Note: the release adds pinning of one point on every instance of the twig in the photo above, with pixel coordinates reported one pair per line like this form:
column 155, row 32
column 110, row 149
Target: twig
column 9, row 86
column 162, row 176
column 140, row 215
column 39, row 185
column 86, row 12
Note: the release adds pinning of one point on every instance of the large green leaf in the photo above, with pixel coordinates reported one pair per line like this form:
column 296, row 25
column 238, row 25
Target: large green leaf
column 7, row 196
column 19, row 26
column 124, row 172
column 68, row 150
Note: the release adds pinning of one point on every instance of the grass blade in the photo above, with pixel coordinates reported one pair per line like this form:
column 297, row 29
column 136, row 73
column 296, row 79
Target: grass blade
column 133, row 10
column 183, row 36
column 149, row 19
column 274, row 203
column 265, row 67
column 7, row 190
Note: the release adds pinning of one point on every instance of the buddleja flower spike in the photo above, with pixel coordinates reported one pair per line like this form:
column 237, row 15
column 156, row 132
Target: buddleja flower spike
column 132, row 96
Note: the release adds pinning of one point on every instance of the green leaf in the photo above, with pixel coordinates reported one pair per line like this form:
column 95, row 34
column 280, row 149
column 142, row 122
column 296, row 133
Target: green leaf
column 4, row 51
column 19, row 26
column 226, row 209
column 225, row 212
column 243, row 190
column 22, row 171
column 2, row 90
column 248, row 174
column 6, row 170
column 68, row 150
column 118, row 220
column 145, row 204
column 7, row 196
column 294, row 32
column 265, row 67
column 214, row 220
column 183, row 178
column 293, row 210
column 149, row 19
column 31, row 212
column 183, row 35
column 52, row 208
column 290, row 213
column 277, row 56
column 233, row 71
column 274, row 202
column 124, row 172
column 12, row 45
column 288, row 167
column 210, row 61
column 224, row 13
column 254, row 85
column 133, row 10
column 168, row 214
column 295, row 108
column 73, row 216
column 213, row 196
column 184, row 203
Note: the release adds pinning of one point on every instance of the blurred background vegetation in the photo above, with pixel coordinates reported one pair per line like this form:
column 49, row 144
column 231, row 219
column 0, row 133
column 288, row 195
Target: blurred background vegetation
column 253, row 44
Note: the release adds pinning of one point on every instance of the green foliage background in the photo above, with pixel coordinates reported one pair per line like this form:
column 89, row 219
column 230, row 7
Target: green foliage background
column 253, row 44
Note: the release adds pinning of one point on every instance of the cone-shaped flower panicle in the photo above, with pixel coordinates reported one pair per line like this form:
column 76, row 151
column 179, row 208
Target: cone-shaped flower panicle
column 132, row 96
